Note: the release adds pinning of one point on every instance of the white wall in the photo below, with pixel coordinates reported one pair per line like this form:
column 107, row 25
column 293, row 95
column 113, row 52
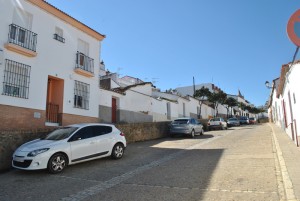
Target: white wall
column 159, row 110
column 137, row 99
column 189, row 90
column 292, row 107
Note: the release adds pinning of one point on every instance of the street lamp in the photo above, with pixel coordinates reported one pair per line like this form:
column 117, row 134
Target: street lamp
column 267, row 83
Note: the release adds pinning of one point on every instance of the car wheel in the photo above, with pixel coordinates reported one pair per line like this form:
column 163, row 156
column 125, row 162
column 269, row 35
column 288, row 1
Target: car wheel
column 202, row 131
column 57, row 163
column 193, row 133
column 117, row 151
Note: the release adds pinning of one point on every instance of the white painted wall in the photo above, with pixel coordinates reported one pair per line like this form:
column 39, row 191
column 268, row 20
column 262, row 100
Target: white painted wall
column 292, row 107
column 145, row 89
column 159, row 110
column 106, row 97
column 192, row 105
column 137, row 99
column 189, row 90
column 53, row 58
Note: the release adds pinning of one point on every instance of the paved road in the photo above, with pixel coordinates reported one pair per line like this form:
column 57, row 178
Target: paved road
column 235, row 164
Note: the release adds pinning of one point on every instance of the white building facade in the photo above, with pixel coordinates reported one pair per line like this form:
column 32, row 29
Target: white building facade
column 283, row 106
column 47, row 72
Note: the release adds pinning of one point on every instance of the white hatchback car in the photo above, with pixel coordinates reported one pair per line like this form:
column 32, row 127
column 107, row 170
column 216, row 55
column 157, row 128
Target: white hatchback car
column 69, row 145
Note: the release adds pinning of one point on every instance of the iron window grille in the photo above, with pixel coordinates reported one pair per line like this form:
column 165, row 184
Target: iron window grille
column 84, row 62
column 16, row 79
column 59, row 38
column 22, row 37
column 81, row 95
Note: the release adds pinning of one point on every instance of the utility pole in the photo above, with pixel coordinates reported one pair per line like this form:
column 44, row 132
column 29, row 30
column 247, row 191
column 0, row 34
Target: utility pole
column 194, row 86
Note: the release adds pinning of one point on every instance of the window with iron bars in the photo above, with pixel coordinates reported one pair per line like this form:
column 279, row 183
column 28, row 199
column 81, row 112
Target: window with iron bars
column 81, row 95
column 16, row 79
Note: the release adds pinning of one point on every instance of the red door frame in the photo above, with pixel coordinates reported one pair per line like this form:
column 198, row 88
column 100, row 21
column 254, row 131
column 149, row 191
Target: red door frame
column 114, row 110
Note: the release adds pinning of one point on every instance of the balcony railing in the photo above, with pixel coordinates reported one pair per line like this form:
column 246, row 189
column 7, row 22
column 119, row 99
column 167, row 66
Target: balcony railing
column 84, row 62
column 59, row 38
column 22, row 37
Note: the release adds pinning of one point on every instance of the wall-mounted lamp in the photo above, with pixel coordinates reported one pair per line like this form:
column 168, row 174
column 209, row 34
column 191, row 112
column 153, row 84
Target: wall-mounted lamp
column 267, row 83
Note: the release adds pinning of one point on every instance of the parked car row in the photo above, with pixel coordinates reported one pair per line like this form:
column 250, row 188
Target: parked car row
column 192, row 127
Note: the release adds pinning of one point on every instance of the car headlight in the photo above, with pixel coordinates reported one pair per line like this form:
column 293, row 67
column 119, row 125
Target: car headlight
column 36, row 152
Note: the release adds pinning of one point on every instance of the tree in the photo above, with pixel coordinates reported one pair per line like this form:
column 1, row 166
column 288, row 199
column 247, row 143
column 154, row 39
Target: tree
column 201, row 94
column 217, row 98
column 230, row 103
column 242, row 106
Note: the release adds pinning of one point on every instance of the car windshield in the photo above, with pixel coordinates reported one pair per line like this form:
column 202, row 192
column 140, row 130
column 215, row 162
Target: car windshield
column 60, row 133
column 251, row 118
column 180, row 121
column 232, row 119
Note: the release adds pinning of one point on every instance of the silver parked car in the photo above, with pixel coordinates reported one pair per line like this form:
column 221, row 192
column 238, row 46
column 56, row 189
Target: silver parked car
column 186, row 126
column 233, row 122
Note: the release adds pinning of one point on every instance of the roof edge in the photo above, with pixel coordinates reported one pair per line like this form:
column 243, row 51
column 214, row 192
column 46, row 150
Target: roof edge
column 67, row 18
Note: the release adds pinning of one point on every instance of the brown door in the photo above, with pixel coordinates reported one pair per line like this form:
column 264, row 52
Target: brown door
column 54, row 101
column 114, row 110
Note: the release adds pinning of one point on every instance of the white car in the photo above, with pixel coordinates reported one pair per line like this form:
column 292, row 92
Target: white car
column 69, row 145
column 217, row 122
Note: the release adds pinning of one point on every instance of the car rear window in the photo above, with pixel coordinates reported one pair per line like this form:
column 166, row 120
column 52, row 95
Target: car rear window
column 215, row 119
column 180, row 121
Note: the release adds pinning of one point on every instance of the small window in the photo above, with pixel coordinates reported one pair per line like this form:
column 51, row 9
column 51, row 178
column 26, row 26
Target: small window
column 294, row 98
column 16, row 79
column 81, row 95
column 59, row 35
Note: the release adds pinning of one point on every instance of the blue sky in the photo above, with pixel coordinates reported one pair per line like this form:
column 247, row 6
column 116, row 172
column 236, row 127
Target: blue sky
column 235, row 44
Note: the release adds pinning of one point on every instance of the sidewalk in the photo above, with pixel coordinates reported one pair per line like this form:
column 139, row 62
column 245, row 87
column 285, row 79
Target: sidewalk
column 289, row 158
